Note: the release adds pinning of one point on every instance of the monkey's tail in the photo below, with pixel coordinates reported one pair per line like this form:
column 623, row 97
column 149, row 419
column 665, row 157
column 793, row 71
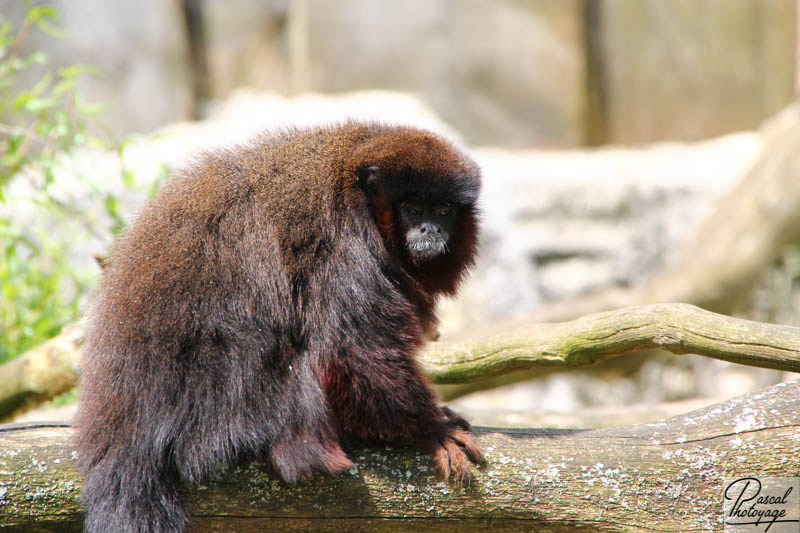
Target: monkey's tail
column 126, row 498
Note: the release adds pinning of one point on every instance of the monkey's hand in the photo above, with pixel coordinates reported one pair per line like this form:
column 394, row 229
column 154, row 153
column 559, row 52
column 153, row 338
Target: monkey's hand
column 457, row 449
column 454, row 453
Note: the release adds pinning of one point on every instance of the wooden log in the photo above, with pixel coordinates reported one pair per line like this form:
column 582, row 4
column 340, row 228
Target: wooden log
column 661, row 476
column 41, row 373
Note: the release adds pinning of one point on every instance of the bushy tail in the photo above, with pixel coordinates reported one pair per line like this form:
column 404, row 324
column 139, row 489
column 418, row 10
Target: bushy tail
column 126, row 499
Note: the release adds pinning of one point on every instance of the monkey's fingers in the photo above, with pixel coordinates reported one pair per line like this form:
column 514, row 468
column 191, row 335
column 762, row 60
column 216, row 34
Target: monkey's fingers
column 454, row 454
column 442, row 458
column 465, row 441
column 451, row 460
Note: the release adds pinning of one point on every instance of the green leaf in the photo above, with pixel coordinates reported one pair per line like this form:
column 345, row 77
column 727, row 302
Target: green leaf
column 22, row 98
column 128, row 177
column 38, row 57
column 42, row 84
column 11, row 161
column 16, row 64
column 96, row 142
column 72, row 71
column 5, row 35
column 41, row 12
column 112, row 205
column 89, row 108
column 49, row 176
column 47, row 117
column 63, row 86
column 15, row 141
column 60, row 130
column 41, row 17
column 39, row 104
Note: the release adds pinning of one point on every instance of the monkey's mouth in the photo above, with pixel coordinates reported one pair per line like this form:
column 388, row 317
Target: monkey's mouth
column 426, row 248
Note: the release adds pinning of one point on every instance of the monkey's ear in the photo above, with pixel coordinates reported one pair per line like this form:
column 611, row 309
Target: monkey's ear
column 368, row 175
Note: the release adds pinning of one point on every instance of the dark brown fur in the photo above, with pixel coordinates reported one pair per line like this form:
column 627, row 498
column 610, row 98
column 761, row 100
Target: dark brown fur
column 263, row 304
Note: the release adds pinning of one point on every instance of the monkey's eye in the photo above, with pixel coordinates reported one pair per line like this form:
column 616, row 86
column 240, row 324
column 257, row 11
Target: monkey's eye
column 443, row 210
column 413, row 208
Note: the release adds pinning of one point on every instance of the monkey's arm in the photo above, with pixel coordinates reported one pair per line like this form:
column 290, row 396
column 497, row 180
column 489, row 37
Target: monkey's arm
column 367, row 339
column 381, row 397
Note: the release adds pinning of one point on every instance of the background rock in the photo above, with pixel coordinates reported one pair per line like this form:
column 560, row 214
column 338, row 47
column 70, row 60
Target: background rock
column 559, row 224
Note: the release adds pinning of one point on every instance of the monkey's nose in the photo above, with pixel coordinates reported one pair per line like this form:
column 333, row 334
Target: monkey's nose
column 426, row 227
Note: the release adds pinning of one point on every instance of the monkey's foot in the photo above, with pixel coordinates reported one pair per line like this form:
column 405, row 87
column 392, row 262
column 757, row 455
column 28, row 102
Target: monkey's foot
column 300, row 462
column 454, row 455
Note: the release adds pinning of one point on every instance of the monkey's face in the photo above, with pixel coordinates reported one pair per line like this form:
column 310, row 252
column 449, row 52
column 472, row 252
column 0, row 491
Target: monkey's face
column 427, row 228
column 422, row 195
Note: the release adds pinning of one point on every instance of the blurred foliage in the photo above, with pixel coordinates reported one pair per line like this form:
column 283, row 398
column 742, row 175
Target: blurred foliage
column 65, row 398
column 39, row 121
column 50, row 115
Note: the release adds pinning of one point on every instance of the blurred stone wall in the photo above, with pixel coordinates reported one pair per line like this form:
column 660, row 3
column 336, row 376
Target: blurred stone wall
column 682, row 69
column 514, row 72
column 502, row 72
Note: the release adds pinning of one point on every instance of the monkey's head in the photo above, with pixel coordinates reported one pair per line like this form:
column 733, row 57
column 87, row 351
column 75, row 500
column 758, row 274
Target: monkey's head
column 423, row 192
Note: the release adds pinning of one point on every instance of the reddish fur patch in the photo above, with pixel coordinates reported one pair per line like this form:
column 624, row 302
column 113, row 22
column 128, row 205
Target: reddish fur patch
column 384, row 215
column 337, row 461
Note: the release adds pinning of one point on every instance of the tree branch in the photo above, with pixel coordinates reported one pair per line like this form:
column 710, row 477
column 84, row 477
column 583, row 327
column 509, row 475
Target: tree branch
column 41, row 373
column 678, row 328
column 50, row 369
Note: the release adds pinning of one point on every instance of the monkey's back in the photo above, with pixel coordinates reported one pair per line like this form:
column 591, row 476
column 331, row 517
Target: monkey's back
column 199, row 308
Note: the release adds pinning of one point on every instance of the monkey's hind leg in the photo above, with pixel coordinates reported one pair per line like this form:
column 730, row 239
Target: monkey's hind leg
column 309, row 439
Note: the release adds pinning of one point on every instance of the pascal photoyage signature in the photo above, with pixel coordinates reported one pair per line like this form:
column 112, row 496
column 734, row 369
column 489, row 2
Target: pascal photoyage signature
column 752, row 508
